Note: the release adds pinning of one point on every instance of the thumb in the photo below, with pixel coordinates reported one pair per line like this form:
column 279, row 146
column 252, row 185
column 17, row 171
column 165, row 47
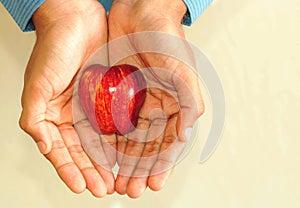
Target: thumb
column 33, row 117
column 190, row 101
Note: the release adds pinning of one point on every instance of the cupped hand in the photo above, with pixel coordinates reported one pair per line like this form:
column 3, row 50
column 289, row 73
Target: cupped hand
column 147, row 155
column 68, row 32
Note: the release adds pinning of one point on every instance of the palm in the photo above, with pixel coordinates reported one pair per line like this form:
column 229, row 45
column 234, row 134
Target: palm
column 58, row 55
column 146, row 157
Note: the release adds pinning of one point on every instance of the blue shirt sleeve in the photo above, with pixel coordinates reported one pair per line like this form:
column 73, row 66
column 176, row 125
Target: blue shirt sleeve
column 195, row 9
column 22, row 10
column 106, row 4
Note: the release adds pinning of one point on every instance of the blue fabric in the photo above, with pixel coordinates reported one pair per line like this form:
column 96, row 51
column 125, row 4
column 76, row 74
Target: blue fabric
column 22, row 10
column 195, row 9
column 106, row 4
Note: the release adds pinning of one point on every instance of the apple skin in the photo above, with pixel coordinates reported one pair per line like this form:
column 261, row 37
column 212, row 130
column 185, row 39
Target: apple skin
column 112, row 97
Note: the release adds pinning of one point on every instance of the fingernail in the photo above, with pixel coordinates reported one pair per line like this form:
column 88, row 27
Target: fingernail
column 42, row 146
column 188, row 133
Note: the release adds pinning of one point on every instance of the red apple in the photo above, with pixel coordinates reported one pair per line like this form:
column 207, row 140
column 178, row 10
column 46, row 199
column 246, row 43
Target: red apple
column 112, row 97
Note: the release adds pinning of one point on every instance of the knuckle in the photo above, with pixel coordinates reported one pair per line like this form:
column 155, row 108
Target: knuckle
column 169, row 139
column 91, row 144
column 122, row 140
column 24, row 124
column 152, row 147
column 58, row 144
column 108, row 140
column 77, row 149
column 134, row 144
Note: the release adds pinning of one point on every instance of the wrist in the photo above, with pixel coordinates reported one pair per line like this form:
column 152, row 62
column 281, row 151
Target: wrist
column 174, row 9
column 169, row 9
column 178, row 9
column 55, row 11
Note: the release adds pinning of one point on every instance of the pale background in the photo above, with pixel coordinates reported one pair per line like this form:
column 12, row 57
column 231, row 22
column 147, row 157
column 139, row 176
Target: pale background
column 255, row 47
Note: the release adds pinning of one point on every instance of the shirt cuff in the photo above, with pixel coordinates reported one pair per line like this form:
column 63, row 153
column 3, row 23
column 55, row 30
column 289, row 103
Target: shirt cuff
column 106, row 4
column 22, row 11
column 195, row 9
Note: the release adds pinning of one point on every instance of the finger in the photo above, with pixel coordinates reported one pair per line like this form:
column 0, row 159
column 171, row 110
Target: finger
column 133, row 151
column 138, row 182
column 107, row 176
column 159, row 117
column 32, row 119
column 60, row 158
column 121, row 146
column 109, row 144
column 190, row 99
column 92, row 145
column 94, row 181
column 137, row 186
column 181, row 82
column 170, row 150
column 157, row 182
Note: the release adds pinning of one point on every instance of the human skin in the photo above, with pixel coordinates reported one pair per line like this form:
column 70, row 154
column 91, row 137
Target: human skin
column 68, row 32
column 171, row 110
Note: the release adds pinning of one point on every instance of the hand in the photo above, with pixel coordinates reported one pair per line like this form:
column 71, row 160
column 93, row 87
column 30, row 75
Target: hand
column 147, row 155
column 68, row 32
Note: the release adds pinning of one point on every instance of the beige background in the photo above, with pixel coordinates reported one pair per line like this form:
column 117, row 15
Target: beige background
column 254, row 46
